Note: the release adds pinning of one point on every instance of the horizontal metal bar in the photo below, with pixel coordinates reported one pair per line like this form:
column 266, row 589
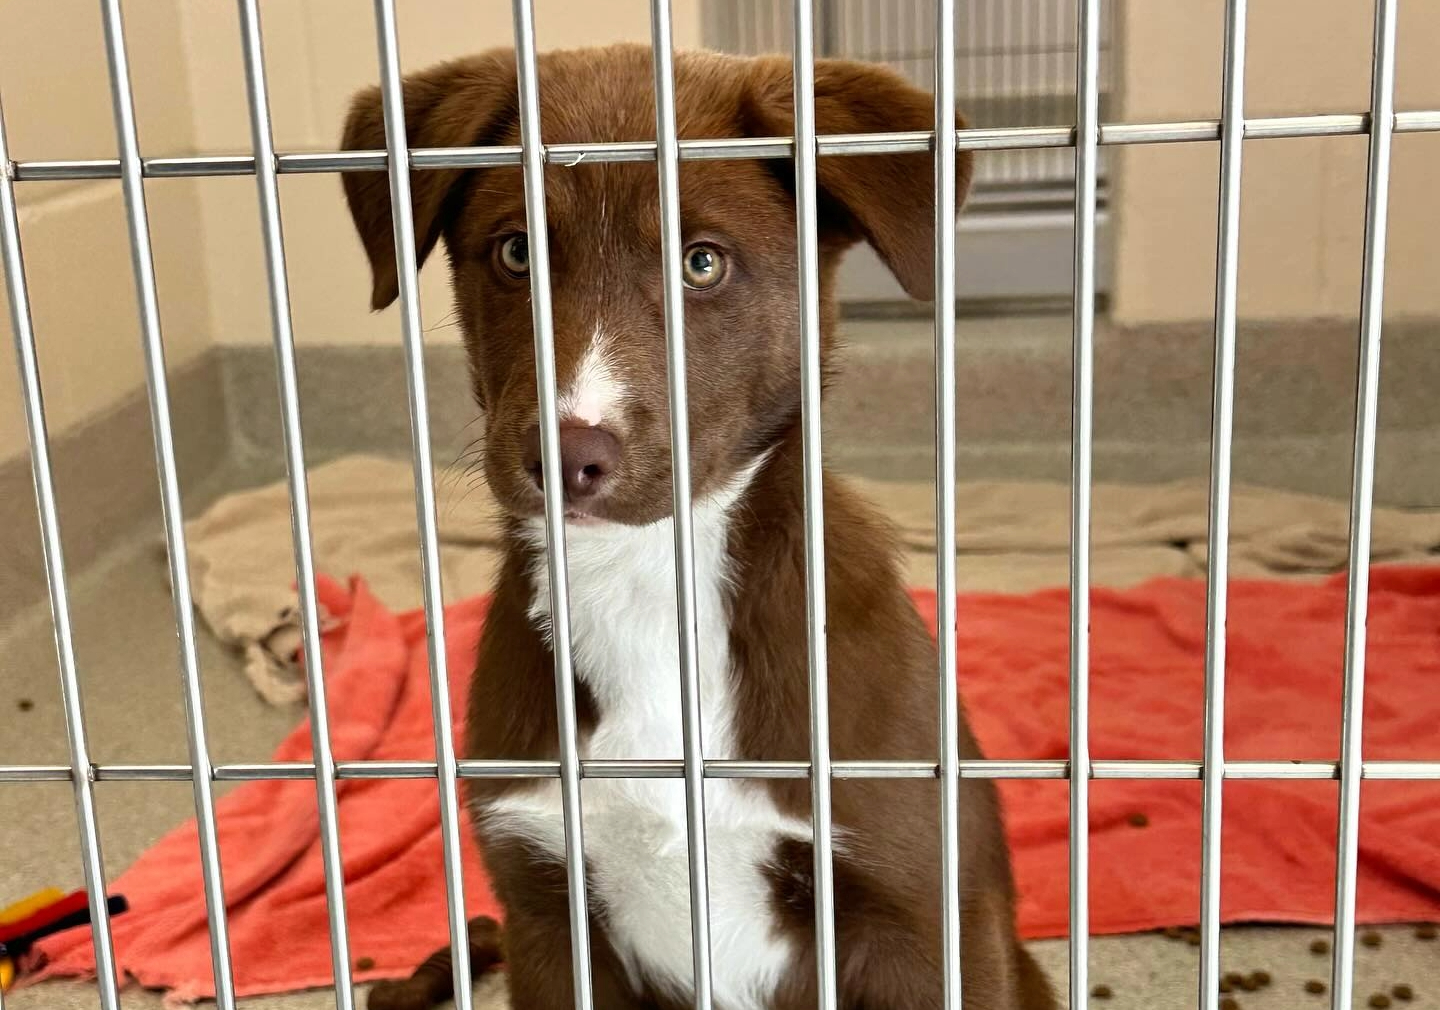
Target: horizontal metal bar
column 386, row 769
column 336, row 161
column 34, row 773
column 1144, row 769
column 731, row 149
column 1120, row 134
column 1271, row 771
column 1307, row 126
column 739, row 148
column 1282, row 770
column 1417, row 122
column 200, row 166
column 293, row 770
column 149, row 773
column 54, row 171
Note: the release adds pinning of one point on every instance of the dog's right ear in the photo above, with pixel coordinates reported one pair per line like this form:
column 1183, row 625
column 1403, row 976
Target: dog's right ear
column 457, row 104
column 888, row 200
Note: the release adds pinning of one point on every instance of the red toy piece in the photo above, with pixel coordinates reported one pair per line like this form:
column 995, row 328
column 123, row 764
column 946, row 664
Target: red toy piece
column 67, row 913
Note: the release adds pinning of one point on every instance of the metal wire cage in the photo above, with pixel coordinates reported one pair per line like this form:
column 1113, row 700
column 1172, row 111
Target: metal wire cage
column 1082, row 142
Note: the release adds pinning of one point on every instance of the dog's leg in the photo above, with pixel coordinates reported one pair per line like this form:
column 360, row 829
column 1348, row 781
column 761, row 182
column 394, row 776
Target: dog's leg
column 539, row 971
column 433, row 982
column 1035, row 990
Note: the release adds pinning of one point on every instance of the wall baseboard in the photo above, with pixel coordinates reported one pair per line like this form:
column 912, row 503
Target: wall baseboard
column 1294, row 415
column 106, row 483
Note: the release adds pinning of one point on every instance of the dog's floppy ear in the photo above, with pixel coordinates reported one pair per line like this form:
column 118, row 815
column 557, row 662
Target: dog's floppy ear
column 455, row 104
column 889, row 200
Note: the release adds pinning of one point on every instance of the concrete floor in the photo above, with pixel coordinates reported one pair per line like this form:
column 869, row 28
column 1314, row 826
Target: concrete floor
column 130, row 680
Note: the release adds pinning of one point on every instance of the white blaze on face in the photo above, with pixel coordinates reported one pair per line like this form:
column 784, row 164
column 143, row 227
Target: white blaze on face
column 594, row 394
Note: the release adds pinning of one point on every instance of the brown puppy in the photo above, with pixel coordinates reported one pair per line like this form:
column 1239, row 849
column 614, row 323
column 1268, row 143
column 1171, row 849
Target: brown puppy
column 740, row 270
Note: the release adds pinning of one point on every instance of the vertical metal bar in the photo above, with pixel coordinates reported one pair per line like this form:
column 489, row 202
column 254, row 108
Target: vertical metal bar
column 1367, row 402
column 1222, row 413
column 81, row 767
column 1087, row 132
column 946, row 618
column 807, row 241
column 672, row 250
column 539, row 248
column 413, row 340
column 252, row 43
column 147, row 298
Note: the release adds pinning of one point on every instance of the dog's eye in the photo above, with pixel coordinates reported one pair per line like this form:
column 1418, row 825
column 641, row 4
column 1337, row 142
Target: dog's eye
column 704, row 266
column 515, row 255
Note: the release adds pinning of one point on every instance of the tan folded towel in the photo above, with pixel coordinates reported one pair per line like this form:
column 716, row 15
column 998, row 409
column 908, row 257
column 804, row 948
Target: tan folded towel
column 363, row 522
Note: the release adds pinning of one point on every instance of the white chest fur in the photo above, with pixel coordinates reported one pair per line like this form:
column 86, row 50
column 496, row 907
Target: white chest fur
column 625, row 646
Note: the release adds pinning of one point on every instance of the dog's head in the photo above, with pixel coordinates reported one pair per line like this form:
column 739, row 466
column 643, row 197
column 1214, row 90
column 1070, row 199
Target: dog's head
column 740, row 268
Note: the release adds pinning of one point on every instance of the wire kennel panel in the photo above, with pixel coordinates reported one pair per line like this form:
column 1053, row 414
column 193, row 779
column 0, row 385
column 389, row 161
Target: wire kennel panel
column 1081, row 142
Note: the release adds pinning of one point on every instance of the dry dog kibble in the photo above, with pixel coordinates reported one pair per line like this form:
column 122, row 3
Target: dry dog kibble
column 1248, row 983
column 1319, row 946
column 1233, row 977
column 24, row 704
column 1102, row 991
column 1370, row 938
column 365, row 964
column 1315, row 986
column 1403, row 992
column 1226, row 985
column 1378, row 1000
column 1138, row 820
column 1229, row 1003
column 1425, row 932
column 1262, row 978
column 1193, row 939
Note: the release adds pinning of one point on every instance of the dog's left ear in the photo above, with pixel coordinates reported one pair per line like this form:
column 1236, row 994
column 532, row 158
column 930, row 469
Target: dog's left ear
column 888, row 200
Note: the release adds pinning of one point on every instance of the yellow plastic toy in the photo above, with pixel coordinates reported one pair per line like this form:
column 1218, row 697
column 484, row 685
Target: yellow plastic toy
column 30, row 905
column 20, row 910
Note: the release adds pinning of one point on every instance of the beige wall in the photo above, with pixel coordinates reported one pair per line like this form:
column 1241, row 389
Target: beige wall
column 319, row 54
column 1302, row 200
column 56, row 92
column 190, row 98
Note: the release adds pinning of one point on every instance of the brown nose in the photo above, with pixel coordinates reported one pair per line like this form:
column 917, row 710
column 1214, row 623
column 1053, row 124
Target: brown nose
column 587, row 458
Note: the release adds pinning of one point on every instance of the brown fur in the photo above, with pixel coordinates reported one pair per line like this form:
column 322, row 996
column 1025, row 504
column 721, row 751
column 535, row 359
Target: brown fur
column 744, row 378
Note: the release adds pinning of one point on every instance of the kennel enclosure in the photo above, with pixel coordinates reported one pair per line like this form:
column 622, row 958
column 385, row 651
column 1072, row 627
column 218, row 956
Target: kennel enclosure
column 1078, row 146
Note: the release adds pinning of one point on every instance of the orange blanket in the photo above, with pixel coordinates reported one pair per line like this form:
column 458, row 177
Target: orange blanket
column 1146, row 702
